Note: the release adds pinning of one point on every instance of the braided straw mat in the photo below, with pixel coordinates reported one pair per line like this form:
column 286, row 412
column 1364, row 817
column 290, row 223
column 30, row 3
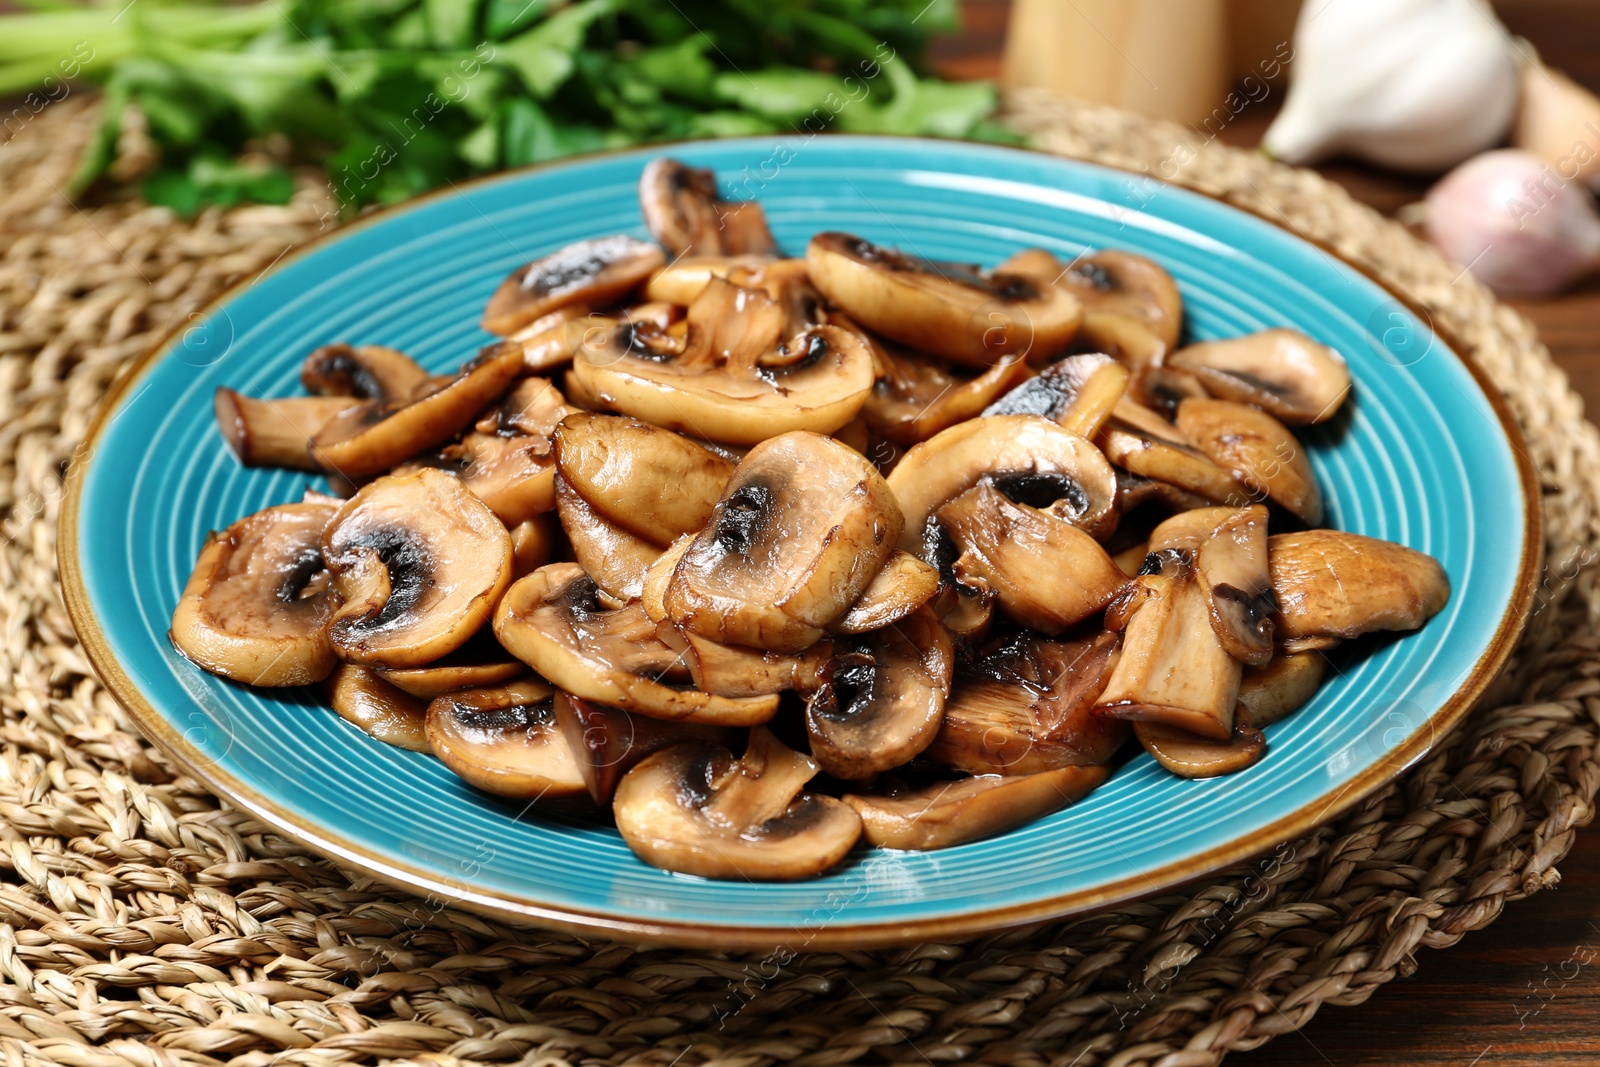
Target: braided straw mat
column 144, row 922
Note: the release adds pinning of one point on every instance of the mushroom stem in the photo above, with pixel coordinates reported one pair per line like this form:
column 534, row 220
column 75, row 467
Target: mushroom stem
column 971, row 809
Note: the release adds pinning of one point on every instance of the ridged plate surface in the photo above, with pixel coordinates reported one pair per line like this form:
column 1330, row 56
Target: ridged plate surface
column 1422, row 457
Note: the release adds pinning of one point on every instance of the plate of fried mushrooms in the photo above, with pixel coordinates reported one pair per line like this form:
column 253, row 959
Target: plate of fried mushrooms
column 904, row 539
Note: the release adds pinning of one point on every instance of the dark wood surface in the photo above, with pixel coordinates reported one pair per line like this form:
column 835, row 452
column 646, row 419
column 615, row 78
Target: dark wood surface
column 1526, row 990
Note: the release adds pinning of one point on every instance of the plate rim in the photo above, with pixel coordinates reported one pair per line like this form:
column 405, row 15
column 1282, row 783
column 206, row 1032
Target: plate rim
column 459, row 893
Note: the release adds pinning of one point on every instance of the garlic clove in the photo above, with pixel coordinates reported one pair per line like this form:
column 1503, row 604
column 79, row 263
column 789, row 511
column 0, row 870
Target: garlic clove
column 1417, row 85
column 1559, row 121
column 1509, row 217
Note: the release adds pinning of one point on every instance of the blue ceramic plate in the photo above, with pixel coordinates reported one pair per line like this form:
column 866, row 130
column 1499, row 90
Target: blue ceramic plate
column 1424, row 456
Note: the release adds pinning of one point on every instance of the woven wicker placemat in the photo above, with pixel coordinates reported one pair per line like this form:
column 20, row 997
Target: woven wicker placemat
column 146, row 923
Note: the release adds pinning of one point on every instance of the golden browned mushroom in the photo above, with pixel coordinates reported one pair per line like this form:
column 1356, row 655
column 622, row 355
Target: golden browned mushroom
column 594, row 272
column 693, row 808
column 736, row 671
column 1257, row 449
column 901, row 586
column 967, row 613
column 276, row 431
column 1141, row 442
column 534, row 408
column 420, row 563
column 732, row 377
column 881, row 702
column 504, row 740
column 550, row 343
column 915, row 397
column 1077, row 393
column 952, row 311
column 374, row 437
column 1267, row 694
column 653, row 591
column 1028, row 458
column 1229, row 550
column 608, row 742
column 1335, row 584
column 680, row 281
column 1190, row 756
column 1124, row 296
column 953, row 813
column 1024, row 707
column 682, row 210
column 654, row 483
column 479, row 663
column 615, row 557
column 1283, row 372
column 375, row 707
column 1044, row 572
column 368, row 372
column 553, row 621
column 256, row 607
column 536, row 542
column 802, row 528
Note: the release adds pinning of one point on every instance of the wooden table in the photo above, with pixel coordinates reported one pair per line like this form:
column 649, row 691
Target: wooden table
column 1527, row 989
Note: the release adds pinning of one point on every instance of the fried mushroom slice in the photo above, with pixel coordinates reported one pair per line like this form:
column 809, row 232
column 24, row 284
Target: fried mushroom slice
column 1044, row 573
column 1173, row 668
column 420, row 563
column 1143, row 443
column 608, row 742
column 374, row 436
column 683, row 279
column 1029, row 459
column 593, row 272
column 953, row 311
column 550, row 343
column 802, row 528
column 1335, row 584
column 479, row 663
column 1270, row 693
column 1259, row 451
column 695, row 809
column 1117, row 289
column 1190, row 756
column 368, row 372
column 514, row 474
column 1077, row 393
column 901, row 586
column 881, row 703
column 682, row 210
column 553, row 621
column 732, row 377
column 614, row 557
column 256, row 607
column 274, row 432
column 735, row 671
column 504, row 740
column 1282, row 372
column 1229, row 550
column 914, row 397
column 945, row 814
column 654, row 483
column 372, row 705
column 1024, row 707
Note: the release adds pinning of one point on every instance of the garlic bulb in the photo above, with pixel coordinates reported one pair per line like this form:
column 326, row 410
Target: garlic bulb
column 1417, row 85
column 1559, row 121
column 1519, row 228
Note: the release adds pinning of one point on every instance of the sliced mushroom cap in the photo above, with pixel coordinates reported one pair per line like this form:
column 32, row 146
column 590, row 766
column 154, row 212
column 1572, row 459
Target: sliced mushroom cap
column 504, row 740
column 552, row 621
column 1335, row 584
column 1116, row 289
column 1077, row 393
column 1191, row 756
column 802, row 528
column 693, row 808
column 1027, row 458
column 536, row 542
column 513, row 474
column 682, row 210
column 915, row 397
column 735, row 671
column 614, row 557
column 478, row 664
column 1173, row 668
column 420, row 563
column 275, row 432
column 953, row 813
column 1162, row 388
column 882, row 702
column 533, row 408
column 1134, row 491
column 652, row 482
column 1025, row 707
column 1283, row 372
column 901, row 586
column 550, row 343
column 1045, row 573
column 368, row 372
column 653, row 591
column 1259, row 451
column 256, row 607
column 1229, row 550
column 1270, row 693
column 952, row 311
column 593, row 272
column 375, row 707
column 732, row 377
column 609, row 742
column 374, row 437
column 1141, row 442
column 966, row 613
column 683, row 279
